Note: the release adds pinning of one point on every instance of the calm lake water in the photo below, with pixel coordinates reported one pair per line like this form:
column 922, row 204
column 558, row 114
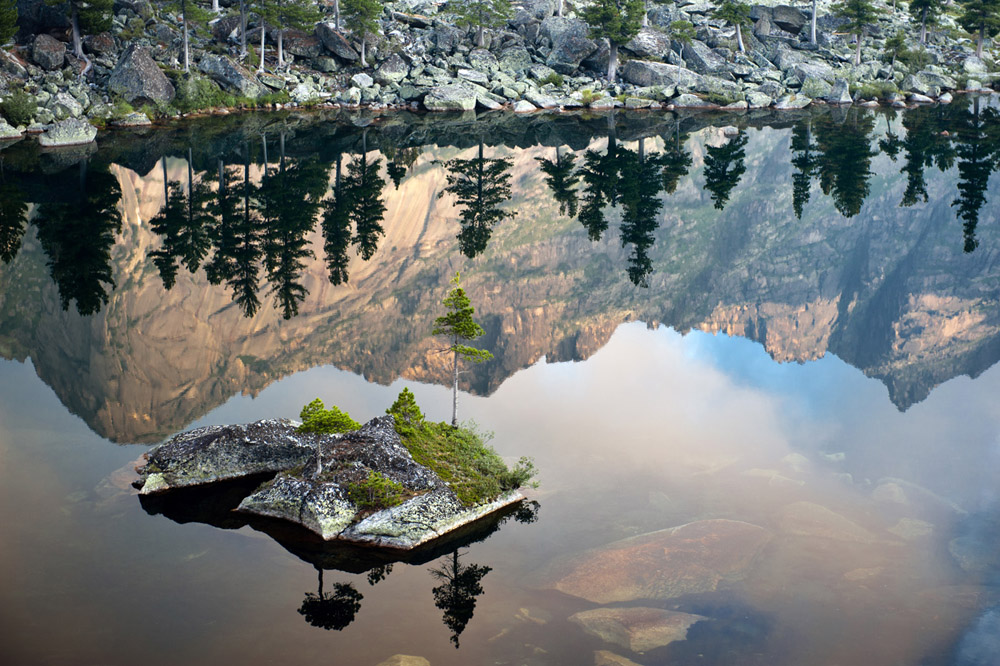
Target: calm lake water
column 777, row 323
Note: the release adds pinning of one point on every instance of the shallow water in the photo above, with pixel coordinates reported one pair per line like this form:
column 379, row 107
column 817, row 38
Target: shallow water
column 820, row 390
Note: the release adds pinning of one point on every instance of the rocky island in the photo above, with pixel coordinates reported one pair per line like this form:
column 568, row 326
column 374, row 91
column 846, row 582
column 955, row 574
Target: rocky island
column 398, row 482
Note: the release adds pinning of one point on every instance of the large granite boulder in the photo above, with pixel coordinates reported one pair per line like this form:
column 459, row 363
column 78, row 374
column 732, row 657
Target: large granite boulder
column 514, row 59
column 700, row 58
column 571, row 43
column 7, row 132
column 484, row 61
column 392, row 70
column 69, row 132
column 649, row 43
column 644, row 74
column 450, row 98
column 689, row 559
column 789, row 18
column 223, row 453
column 231, row 76
column 814, row 520
column 138, row 79
column 636, row 629
column 336, row 43
column 302, row 44
column 99, row 44
column 928, row 83
column 48, row 52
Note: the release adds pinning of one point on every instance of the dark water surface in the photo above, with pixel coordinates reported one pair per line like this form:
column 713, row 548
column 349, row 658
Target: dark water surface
column 789, row 321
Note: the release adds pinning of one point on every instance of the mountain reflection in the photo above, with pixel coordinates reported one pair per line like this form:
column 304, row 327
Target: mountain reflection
column 569, row 224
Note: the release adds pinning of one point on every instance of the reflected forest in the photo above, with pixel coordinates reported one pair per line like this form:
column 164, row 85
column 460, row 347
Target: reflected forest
column 246, row 206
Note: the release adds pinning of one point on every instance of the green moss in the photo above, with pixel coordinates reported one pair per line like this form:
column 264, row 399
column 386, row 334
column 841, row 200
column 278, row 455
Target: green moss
column 195, row 93
column 375, row 492
column 874, row 89
column 315, row 418
column 555, row 78
column 461, row 457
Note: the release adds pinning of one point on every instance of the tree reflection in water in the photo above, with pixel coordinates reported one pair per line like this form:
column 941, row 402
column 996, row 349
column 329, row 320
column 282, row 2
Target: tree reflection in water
column 457, row 595
column 334, row 610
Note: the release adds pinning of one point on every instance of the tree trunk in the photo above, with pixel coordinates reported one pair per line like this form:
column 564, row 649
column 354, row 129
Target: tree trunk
column 77, row 44
column 260, row 69
column 454, row 384
column 336, row 14
column 739, row 39
column 243, row 32
column 166, row 194
column 979, row 42
column 923, row 26
column 363, row 44
column 613, row 63
column 281, row 45
column 190, row 186
column 215, row 6
column 857, row 52
column 559, row 7
column 812, row 24
column 645, row 13
column 187, row 50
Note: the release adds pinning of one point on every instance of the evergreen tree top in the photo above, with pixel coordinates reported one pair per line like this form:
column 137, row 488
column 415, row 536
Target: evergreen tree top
column 859, row 14
column 617, row 20
column 733, row 12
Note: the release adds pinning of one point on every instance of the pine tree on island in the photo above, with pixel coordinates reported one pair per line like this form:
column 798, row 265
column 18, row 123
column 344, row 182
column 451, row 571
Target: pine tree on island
column 616, row 20
column 459, row 326
column 481, row 14
column 736, row 14
column 859, row 14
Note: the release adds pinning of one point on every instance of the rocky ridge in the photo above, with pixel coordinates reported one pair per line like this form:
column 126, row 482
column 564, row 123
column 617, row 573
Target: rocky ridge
column 421, row 60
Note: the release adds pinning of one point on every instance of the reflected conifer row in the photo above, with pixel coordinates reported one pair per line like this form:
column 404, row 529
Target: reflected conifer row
column 480, row 187
column 460, row 588
column 13, row 218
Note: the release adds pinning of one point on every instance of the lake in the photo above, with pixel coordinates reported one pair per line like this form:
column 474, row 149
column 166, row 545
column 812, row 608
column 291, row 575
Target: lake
column 752, row 356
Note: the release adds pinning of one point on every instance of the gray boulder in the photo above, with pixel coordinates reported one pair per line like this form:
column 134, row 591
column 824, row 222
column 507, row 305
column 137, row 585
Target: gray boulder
column 570, row 41
column 69, row 132
column 484, row 61
column 392, row 70
column 700, row 58
column 789, row 19
column 7, row 132
column 48, row 53
column 816, row 70
column 230, row 75
column 689, row 101
column 63, row 106
column 514, row 59
column 100, row 44
column 524, row 106
column 138, row 80
column 643, row 73
column 450, row 98
column 789, row 102
column 928, row 83
column 221, row 453
column 840, row 93
column 649, row 43
column 362, row 80
column 335, row 43
column 446, row 39
column 302, row 44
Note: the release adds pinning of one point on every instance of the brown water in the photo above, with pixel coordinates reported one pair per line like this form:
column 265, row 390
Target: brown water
column 758, row 413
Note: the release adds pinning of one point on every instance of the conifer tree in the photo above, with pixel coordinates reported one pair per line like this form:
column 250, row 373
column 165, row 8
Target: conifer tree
column 804, row 162
column 337, row 230
column 981, row 17
column 13, row 212
column 459, row 327
column 683, row 32
column 844, row 161
column 191, row 12
column 481, row 14
column 859, row 14
column 616, row 20
column 480, row 186
column 736, row 14
column 927, row 12
column 976, row 148
column 288, row 14
column 562, row 181
column 456, row 596
column 639, row 196
column 724, row 166
column 8, row 21
column 362, row 189
column 360, row 18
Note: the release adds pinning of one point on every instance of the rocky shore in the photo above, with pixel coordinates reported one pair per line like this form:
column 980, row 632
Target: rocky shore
column 421, row 60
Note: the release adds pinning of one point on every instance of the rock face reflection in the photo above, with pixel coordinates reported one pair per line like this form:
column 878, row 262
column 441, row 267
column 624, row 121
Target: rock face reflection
column 810, row 233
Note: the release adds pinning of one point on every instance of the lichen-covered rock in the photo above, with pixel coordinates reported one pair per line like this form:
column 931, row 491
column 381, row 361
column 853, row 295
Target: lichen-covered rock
column 230, row 76
column 48, row 52
column 7, row 132
column 138, row 79
column 422, row 519
column 218, row 453
column 789, row 18
column 392, row 70
column 335, row 43
column 69, row 132
column 450, row 98
column 689, row 559
column 570, row 41
column 636, row 629
column 320, row 507
column 649, row 43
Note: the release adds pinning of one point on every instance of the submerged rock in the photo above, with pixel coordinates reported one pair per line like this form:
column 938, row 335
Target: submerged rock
column 69, row 132
column 692, row 558
column 809, row 519
column 636, row 629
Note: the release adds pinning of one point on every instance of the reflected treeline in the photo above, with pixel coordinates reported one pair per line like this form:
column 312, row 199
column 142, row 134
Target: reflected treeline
column 246, row 217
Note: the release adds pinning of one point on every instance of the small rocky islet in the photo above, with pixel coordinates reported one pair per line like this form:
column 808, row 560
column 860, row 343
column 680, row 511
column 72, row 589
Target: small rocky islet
column 419, row 59
column 361, row 487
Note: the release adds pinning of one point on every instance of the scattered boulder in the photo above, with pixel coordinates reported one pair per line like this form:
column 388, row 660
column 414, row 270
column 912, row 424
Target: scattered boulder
column 605, row 658
column 570, row 40
column 809, row 519
column 231, row 76
column 362, row 80
column 450, row 98
column 524, row 106
column 137, row 78
column 700, row 58
column 513, row 59
column 335, row 43
column 7, row 132
column 404, row 660
column 789, row 19
column 649, row 43
column 302, row 44
column 100, row 44
column 483, row 61
column 225, row 29
column 692, row 558
column 69, row 132
column 48, row 52
column 636, row 629
column 791, row 102
column 840, row 93
column 134, row 119
column 392, row 70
